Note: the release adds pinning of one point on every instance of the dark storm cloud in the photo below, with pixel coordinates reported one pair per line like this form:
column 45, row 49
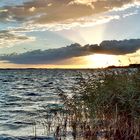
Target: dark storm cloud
column 52, row 56
column 117, row 47
column 47, row 56
column 48, row 11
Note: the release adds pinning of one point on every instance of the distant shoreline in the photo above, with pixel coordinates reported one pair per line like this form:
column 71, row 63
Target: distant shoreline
column 109, row 67
column 129, row 66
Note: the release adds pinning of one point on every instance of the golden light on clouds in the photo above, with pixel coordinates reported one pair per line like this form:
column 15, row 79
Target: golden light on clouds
column 90, row 61
column 32, row 9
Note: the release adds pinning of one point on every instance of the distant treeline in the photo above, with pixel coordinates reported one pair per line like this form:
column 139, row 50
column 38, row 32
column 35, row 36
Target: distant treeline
column 129, row 66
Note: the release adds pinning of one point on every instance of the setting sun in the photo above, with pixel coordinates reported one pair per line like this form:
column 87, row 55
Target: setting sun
column 101, row 60
column 69, row 69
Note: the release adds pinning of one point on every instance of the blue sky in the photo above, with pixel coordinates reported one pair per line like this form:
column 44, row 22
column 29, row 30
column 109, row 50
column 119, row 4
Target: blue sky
column 28, row 25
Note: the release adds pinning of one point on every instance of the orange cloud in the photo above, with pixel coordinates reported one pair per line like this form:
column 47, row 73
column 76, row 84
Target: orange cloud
column 52, row 11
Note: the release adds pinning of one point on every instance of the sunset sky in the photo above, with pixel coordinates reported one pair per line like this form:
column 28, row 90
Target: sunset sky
column 69, row 33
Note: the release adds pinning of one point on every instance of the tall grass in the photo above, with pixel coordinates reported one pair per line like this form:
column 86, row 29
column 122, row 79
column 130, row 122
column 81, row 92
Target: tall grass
column 106, row 104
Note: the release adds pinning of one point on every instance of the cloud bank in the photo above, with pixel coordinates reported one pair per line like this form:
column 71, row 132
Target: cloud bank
column 52, row 56
column 25, row 16
column 51, row 11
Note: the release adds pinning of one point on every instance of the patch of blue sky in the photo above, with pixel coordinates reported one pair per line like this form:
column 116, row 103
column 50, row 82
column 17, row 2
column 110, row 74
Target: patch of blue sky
column 12, row 2
column 8, row 25
column 41, row 40
column 48, row 39
column 124, row 28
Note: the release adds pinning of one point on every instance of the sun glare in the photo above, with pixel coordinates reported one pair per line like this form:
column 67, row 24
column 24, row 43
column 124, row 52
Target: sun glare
column 101, row 60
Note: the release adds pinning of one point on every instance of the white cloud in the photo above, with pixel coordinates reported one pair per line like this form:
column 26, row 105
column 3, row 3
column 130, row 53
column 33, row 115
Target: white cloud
column 84, row 2
column 67, row 24
column 32, row 9
column 130, row 14
column 50, row 4
column 127, row 6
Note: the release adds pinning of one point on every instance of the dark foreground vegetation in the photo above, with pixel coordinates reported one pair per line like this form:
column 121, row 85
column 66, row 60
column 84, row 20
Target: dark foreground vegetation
column 103, row 105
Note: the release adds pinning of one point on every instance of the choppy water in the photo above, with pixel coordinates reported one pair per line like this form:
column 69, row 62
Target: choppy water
column 25, row 93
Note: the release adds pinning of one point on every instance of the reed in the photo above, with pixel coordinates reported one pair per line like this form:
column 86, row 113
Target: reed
column 104, row 104
column 107, row 104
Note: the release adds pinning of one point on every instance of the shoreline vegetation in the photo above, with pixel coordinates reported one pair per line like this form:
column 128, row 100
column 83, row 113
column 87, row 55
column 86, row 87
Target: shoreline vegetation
column 102, row 106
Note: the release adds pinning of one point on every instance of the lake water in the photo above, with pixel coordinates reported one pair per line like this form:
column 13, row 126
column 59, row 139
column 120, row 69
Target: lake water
column 25, row 93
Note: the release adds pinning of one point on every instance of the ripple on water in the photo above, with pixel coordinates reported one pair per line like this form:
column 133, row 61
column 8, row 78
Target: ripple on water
column 25, row 96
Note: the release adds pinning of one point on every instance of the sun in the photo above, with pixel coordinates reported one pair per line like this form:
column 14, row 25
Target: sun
column 101, row 60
